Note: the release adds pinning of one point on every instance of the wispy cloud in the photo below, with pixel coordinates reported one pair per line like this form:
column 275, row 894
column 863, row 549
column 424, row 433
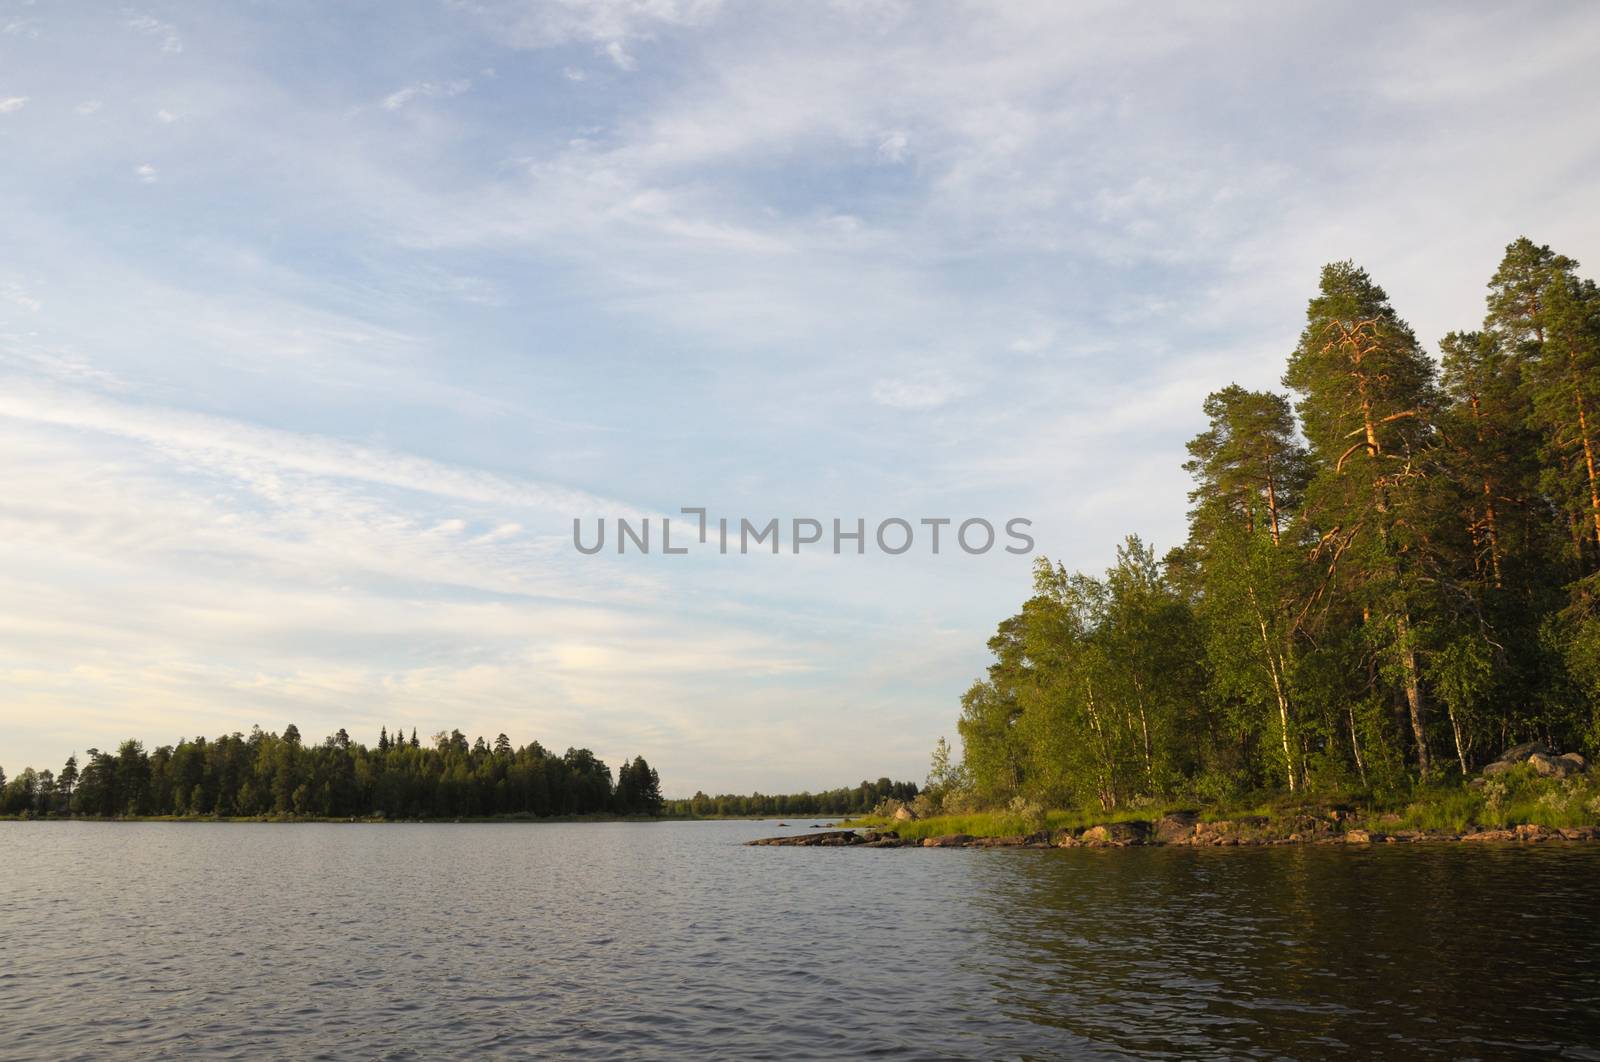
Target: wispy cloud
column 425, row 90
column 299, row 431
column 165, row 32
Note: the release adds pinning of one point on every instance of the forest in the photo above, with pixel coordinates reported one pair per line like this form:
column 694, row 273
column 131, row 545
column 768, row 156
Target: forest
column 843, row 801
column 1392, row 573
column 268, row 774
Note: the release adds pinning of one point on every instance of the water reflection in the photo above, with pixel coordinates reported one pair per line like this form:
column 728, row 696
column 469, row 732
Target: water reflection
column 1302, row 951
column 673, row 940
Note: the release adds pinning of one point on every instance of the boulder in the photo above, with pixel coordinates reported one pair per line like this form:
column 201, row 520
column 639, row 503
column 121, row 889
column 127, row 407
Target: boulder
column 1490, row 835
column 1231, row 831
column 1529, row 831
column 949, row 840
column 1360, row 837
column 904, row 814
column 1175, row 827
column 1543, row 759
column 1119, row 834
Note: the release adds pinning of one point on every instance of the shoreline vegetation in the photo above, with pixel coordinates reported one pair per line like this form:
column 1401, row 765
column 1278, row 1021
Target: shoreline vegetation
column 1391, row 574
column 271, row 777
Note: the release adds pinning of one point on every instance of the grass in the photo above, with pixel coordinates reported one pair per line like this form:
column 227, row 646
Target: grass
column 994, row 823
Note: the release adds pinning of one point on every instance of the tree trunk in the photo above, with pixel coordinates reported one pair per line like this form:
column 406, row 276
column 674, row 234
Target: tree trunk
column 1461, row 753
column 1413, row 685
column 1355, row 746
column 1273, row 665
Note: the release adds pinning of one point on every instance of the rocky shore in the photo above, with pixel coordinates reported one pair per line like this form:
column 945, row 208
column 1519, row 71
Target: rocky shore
column 1334, row 824
column 1185, row 829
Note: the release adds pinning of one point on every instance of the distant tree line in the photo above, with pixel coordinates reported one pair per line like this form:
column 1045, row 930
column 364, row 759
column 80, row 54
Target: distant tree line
column 1389, row 577
column 842, row 801
column 272, row 774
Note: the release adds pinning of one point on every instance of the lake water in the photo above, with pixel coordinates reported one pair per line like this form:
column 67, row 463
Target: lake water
column 670, row 939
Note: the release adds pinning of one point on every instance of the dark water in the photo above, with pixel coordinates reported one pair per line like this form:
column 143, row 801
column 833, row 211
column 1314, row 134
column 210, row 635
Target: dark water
column 670, row 940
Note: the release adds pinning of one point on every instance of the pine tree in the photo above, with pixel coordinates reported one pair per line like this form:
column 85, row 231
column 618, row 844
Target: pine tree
column 1564, row 383
column 1368, row 402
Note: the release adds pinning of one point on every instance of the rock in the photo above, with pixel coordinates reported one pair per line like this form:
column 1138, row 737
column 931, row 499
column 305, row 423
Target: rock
column 949, row 840
column 811, row 840
column 1580, row 833
column 999, row 842
column 1230, row 831
column 1175, row 827
column 1360, row 837
column 1489, row 835
column 1120, row 834
column 1541, row 758
column 1065, row 840
column 1529, row 831
column 1042, row 839
column 1388, row 818
column 1518, row 753
column 904, row 814
column 1548, row 766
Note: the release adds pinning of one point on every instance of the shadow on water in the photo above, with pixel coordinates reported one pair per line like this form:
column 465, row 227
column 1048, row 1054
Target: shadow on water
column 1301, row 951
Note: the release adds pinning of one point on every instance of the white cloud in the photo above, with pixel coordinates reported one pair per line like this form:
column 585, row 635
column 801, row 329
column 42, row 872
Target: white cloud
column 13, row 292
column 892, row 147
column 9, row 104
column 425, row 90
column 146, row 173
column 171, row 42
column 88, row 107
column 603, row 23
column 166, row 117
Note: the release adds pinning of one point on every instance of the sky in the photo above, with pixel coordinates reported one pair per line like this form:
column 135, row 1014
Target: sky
column 320, row 324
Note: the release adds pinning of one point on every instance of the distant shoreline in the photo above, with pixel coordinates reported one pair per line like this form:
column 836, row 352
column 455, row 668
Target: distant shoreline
column 291, row 820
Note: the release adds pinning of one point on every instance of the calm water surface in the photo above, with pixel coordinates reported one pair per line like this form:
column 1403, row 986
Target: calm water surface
column 662, row 940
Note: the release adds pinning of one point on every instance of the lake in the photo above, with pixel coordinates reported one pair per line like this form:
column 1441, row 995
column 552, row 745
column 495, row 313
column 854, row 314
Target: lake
column 625, row 940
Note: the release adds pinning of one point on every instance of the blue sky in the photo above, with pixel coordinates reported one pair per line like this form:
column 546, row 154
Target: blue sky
column 319, row 324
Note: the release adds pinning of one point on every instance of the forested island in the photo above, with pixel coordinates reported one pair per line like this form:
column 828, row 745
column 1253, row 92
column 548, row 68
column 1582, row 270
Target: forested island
column 279, row 775
column 270, row 775
column 1391, row 575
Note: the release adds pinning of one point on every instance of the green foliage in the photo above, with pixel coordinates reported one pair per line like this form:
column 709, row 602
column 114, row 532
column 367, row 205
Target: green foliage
column 1384, row 606
column 267, row 774
column 856, row 800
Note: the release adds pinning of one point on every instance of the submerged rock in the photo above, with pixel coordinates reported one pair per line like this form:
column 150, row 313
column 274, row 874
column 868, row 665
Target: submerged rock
column 813, row 840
